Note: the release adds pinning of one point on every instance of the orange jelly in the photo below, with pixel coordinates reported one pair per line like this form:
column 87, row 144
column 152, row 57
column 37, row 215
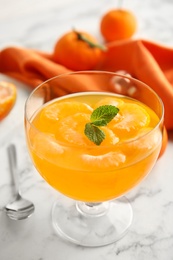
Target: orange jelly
column 82, row 170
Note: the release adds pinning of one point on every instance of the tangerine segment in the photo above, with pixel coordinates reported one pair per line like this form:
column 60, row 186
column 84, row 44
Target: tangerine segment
column 117, row 102
column 107, row 160
column 51, row 114
column 71, row 130
column 110, row 137
column 132, row 118
column 149, row 140
column 46, row 146
column 8, row 95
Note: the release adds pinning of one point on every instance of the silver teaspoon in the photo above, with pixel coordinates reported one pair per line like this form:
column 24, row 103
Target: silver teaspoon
column 20, row 208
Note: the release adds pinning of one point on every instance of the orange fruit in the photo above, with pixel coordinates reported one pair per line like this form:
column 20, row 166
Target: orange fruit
column 78, row 51
column 118, row 24
column 7, row 98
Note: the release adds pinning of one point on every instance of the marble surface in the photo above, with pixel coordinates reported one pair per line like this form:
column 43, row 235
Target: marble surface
column 37, row 24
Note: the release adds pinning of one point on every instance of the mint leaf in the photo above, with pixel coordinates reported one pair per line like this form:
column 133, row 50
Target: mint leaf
column 100, row 122
column 94, row 133
column 102, row 115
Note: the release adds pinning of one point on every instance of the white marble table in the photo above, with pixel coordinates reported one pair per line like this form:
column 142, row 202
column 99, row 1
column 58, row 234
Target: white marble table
column 37, row 24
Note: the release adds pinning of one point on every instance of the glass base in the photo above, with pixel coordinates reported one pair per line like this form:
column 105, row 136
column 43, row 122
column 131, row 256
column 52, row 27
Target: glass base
column 92, row 224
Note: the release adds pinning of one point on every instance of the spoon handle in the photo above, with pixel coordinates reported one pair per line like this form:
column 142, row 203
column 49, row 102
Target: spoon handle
column 12, row 157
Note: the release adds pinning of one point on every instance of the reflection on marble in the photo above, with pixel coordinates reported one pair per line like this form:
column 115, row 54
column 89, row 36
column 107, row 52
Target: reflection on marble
column 38, row 24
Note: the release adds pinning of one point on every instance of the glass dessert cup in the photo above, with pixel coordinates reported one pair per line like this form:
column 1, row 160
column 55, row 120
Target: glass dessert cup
column 93, row 179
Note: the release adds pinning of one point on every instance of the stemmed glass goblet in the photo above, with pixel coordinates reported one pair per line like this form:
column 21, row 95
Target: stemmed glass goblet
column 93, row 179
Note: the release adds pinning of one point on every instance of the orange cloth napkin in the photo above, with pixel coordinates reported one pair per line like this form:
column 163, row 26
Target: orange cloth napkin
column 144, row 60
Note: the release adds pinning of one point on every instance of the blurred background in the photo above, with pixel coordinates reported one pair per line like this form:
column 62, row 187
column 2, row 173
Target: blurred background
column 38, row 24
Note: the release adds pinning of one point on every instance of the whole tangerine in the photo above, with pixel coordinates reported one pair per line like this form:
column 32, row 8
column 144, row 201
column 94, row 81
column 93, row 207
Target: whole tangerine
column 78, row 51
column 8, row 95
column 118, row 24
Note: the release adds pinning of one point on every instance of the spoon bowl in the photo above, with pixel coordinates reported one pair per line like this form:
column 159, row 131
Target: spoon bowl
column 20, row 208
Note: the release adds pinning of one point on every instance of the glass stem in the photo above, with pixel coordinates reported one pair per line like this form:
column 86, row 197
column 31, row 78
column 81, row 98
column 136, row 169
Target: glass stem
column 92, row 209
column 92, row 204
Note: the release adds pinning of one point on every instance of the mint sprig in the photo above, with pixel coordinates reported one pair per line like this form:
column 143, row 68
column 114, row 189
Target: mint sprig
column 101, row 116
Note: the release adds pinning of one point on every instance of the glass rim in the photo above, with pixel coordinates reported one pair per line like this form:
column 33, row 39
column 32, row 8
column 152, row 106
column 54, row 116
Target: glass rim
column 132, row 140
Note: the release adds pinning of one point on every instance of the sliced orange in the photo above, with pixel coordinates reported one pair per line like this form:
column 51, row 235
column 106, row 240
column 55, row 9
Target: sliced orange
column 8, row 95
